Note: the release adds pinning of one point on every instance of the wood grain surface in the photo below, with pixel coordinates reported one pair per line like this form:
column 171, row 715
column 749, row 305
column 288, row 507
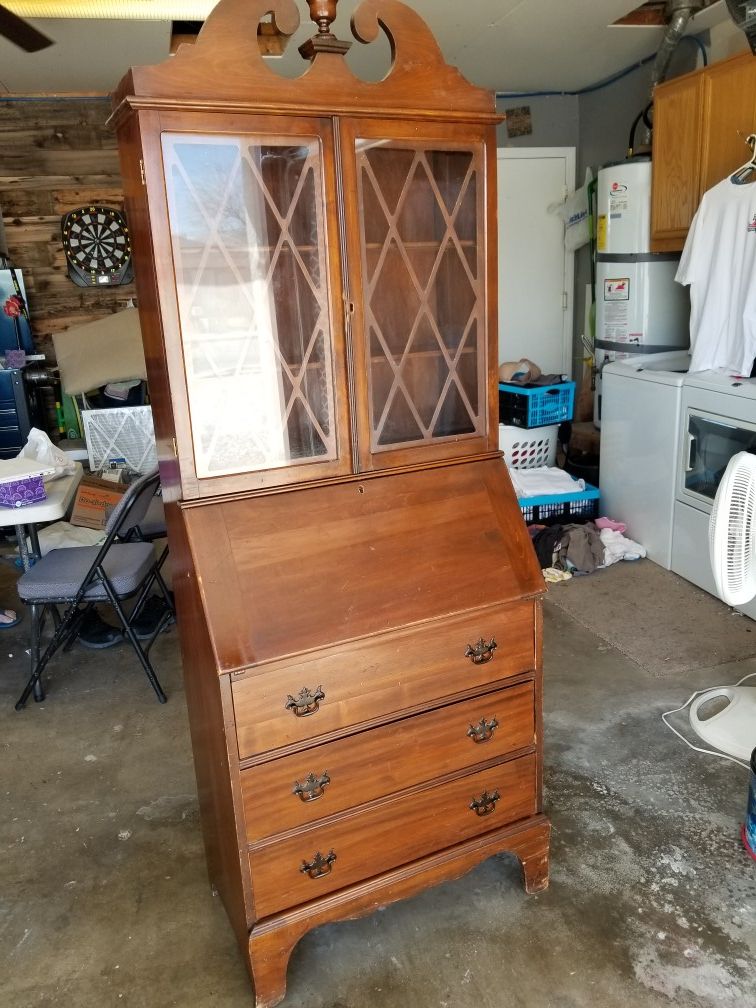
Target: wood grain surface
column 380, row 762
column 290, row 572
column 217, row 70
column 371, row 680
column 389, row 834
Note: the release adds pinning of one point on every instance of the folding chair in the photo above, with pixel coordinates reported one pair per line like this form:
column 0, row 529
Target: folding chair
column 80, row 577
column 152, row 528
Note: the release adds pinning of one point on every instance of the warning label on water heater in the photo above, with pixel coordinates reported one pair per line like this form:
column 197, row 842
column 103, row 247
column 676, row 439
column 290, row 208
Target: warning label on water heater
column 616, row 310
column 601, row 233
column 617, row 290
column 619, row 200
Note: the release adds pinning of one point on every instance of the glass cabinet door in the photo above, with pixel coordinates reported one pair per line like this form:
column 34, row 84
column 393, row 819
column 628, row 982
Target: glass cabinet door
column 711, row 443
column 422, row 290
column 246, row 216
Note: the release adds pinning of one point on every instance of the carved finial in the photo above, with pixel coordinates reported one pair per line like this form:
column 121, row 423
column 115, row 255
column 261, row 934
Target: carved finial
column 323, row 12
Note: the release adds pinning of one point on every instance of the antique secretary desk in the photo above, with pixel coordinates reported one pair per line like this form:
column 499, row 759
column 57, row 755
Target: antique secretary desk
column 359, row 601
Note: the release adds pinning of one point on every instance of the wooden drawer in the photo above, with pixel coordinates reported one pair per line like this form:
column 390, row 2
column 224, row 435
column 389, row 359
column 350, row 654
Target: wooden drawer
column 382, row 761
column 389, row 834
column 372, row 679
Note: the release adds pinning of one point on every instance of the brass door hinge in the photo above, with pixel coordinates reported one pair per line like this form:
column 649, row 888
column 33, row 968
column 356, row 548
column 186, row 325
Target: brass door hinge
column 141, row 169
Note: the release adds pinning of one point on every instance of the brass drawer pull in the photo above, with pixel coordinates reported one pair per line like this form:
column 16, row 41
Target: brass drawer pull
column 485, row 804
column 319, row 866
column 313, row 787
column 306, row 703
column 483, row 731
column 481, row 652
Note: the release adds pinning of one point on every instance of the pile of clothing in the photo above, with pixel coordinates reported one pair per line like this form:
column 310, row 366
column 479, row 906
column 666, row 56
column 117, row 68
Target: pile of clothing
column 567, row 550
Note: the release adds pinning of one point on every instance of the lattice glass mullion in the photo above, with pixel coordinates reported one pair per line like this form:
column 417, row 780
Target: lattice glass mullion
column 247, row 224
column 423, row 290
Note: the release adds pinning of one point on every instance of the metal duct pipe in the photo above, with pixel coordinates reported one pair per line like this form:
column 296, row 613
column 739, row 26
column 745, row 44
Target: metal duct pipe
column 680, row 12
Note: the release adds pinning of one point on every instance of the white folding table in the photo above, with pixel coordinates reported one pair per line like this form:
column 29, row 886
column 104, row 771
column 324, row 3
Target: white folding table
column 25, row 520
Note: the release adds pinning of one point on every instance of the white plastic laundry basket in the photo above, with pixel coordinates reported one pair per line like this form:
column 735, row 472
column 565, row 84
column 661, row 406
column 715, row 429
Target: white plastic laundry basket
column 526, row 449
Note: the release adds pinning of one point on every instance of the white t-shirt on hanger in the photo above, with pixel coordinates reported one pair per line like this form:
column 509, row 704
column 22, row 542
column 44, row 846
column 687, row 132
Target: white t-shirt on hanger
column 719, row 263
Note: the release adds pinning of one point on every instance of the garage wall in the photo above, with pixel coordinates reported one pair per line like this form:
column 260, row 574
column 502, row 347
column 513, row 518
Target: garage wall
column 555, row 121
column 56, row 154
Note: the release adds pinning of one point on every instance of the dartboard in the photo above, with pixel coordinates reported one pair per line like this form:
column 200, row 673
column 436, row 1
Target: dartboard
column 97, row 246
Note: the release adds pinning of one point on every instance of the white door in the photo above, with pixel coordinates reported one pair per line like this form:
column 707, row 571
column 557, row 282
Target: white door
column 535, row 272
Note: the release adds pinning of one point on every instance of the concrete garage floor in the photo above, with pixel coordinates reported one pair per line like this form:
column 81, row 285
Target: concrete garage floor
column 104, row 898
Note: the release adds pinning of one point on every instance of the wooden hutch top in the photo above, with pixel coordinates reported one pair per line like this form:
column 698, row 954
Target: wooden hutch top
column 224, row 69
column 351, row 554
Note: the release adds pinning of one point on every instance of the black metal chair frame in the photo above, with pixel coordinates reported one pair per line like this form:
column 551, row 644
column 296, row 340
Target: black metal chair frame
column 137, row 534
column 78, row 606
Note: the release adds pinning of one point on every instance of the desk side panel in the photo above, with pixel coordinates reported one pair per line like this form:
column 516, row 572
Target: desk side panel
column 213, row 735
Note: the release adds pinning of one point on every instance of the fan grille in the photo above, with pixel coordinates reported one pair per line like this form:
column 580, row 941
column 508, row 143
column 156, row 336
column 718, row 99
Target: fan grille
column 731, row 531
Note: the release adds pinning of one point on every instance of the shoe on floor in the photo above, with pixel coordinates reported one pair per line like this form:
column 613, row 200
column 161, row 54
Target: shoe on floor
column 153, row 611
column 95, row 633
column 8, row 619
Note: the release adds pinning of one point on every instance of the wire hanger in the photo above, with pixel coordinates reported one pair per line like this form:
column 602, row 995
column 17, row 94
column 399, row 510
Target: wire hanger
column 743, row 174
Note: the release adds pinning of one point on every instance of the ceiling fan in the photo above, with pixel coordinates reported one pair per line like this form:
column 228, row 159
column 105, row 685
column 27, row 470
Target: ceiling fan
column 21, row 33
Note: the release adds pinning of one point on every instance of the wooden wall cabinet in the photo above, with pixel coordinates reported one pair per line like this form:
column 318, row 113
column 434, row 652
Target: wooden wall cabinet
column 701, row 120
column 358, row 598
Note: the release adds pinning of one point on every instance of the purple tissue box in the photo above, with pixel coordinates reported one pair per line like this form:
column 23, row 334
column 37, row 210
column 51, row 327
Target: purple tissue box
column 17, row 493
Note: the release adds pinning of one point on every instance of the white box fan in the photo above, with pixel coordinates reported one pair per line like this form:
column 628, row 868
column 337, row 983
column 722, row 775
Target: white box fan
column 732, row 550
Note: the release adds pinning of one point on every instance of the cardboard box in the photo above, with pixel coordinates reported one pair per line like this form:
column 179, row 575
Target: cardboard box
column 95, row 500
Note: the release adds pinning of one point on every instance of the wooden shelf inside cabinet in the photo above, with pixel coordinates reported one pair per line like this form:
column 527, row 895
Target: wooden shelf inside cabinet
column 422, row 245
column 352, row 571
column 421, row 354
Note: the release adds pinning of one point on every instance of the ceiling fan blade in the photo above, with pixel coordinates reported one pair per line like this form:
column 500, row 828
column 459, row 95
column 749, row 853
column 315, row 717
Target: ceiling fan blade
column 21, row 33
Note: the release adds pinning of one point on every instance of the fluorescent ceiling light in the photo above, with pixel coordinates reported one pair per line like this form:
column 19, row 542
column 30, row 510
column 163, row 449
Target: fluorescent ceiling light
column 123, row 10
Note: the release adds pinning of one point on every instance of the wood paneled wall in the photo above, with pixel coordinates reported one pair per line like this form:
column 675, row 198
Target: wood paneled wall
column 56, row 154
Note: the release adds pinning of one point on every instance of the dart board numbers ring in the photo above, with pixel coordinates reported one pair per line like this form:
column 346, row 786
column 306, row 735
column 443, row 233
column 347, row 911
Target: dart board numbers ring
column 97, row 246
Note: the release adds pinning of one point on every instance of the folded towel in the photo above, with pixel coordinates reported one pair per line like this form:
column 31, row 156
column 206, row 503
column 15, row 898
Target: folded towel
column 544, row 480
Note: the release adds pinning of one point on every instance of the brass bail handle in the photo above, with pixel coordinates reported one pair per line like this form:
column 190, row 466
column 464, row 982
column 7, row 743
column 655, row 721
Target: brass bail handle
column 319, row 866
column 481, row 652
column 312, row 788
column 483, row 731
column 486, row 804
column 306, row 702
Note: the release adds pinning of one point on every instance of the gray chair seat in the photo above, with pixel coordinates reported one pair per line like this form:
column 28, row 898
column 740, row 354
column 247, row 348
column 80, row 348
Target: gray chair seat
column 126, row 566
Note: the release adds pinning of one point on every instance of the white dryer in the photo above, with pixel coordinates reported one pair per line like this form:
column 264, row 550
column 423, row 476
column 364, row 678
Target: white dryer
column 718, row 419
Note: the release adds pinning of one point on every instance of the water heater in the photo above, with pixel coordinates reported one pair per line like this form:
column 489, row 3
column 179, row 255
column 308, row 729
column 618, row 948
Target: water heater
column 639, row 307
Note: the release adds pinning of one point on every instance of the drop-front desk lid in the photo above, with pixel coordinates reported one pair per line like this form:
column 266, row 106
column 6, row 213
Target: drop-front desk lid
column 288, row 572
